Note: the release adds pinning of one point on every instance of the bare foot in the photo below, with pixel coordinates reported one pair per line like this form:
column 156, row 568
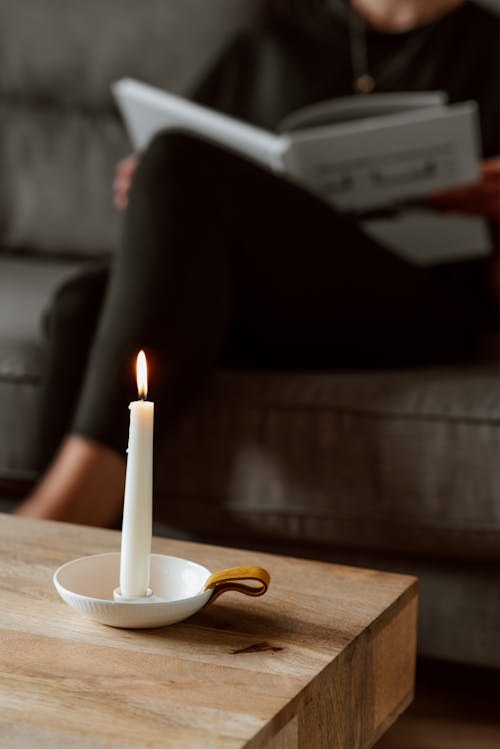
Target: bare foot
column 83, row 485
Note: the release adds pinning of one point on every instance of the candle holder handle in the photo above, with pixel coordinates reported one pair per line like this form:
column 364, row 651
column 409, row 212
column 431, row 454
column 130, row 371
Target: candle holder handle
column 251, row 581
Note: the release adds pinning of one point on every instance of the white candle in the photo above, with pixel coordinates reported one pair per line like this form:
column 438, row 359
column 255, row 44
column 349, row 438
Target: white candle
column 138, row 500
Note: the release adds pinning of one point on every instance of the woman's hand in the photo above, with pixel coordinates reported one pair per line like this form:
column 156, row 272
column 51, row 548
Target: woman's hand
column 123, row 179
column 479, row 199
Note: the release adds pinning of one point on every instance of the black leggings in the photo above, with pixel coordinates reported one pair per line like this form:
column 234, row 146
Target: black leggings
column 224, row 263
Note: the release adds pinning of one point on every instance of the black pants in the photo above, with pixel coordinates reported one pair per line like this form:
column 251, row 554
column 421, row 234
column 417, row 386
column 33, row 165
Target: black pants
column 222, row 262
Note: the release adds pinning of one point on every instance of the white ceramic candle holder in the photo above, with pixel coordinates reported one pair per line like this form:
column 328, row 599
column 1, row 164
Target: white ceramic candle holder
column 179, row 588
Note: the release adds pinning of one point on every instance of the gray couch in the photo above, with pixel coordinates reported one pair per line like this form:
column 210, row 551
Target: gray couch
column 396, row 469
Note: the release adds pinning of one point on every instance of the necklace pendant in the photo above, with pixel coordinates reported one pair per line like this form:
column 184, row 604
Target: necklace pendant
column 364, row 84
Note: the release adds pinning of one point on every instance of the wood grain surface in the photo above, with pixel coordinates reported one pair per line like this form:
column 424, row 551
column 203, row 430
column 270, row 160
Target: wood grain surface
column 325, row 659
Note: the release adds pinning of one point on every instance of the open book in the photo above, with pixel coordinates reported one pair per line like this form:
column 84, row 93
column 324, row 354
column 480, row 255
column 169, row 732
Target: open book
column 375, row 156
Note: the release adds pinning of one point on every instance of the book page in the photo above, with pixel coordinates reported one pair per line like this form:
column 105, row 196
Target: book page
column 147, row 110
column 351, row 108
column 425, row 237
column 379, row 162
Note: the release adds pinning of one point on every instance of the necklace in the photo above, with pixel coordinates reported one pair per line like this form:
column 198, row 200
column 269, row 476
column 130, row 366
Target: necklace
column 363, row 81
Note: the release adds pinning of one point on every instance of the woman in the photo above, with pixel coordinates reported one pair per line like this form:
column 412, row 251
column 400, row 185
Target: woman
column 223, row 262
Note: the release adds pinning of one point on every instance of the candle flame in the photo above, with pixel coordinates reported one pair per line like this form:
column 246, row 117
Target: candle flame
column 142, row 375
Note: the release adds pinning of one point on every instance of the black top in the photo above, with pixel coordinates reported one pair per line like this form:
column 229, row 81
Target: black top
column 289, row 62
column 293, row 61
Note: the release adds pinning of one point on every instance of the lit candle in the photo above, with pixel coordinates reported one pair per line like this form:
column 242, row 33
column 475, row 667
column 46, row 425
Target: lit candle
column 138, row 500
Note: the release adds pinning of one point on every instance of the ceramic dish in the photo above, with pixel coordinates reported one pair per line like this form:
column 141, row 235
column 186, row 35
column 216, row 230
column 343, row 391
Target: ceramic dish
column 180, row 589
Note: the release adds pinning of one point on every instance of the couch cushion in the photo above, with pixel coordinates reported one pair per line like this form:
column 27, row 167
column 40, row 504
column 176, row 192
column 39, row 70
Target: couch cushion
column 56, row 183
column 60, row 137
column 25, row 290
column 69, row 52
column 398, row 460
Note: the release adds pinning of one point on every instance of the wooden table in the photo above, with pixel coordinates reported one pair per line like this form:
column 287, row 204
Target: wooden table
column 324, row 659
